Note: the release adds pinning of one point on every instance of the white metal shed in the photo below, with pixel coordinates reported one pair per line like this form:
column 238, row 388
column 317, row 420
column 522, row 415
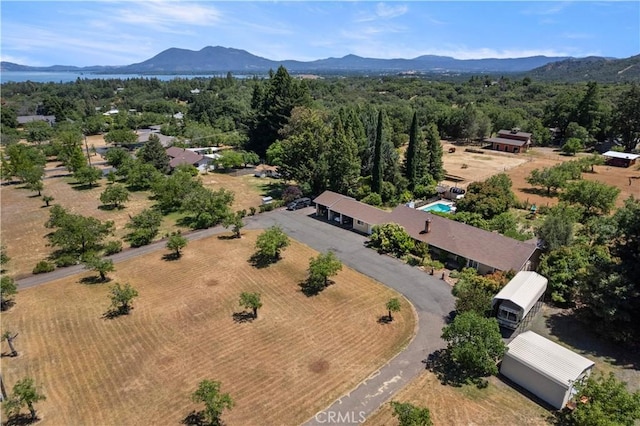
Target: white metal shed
column 544, row 368
column 512, row 304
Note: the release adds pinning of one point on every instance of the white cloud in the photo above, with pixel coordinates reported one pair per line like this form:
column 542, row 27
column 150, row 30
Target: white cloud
column 546, row 8
column 386, row 11
column 165, row 14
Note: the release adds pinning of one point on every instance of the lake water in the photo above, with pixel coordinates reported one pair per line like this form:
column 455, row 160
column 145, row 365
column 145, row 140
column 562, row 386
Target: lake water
column 68, row 76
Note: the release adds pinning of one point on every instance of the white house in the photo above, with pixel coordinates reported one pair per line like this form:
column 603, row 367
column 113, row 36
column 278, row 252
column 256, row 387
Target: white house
column 544, row 368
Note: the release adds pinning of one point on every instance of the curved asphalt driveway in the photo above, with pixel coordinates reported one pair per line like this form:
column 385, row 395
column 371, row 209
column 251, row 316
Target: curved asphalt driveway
column 430, row 296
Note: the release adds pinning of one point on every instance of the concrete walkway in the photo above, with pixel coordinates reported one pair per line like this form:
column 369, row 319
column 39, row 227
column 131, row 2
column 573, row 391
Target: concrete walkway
column 430, row 296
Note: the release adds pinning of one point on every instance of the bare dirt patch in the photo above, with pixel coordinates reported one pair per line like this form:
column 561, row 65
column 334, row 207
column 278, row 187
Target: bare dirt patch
column 467, row 405
column 296, row 358
column 472, row 167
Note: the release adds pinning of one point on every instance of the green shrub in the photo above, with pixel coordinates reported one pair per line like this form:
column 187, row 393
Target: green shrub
column 66, row 260
column 252, row 211
column 112, row 247
column 43, row 266
column 435, row 264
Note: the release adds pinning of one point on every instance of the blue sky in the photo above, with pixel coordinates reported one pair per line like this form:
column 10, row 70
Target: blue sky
column 123, row 32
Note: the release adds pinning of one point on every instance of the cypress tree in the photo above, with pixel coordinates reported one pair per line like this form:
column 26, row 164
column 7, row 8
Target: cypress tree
column 376, row 174
column 435, row 166
column 410, row 155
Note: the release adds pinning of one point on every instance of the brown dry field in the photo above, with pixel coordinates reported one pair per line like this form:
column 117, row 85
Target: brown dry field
column 546, row 157
column 23, row 215
column 467, row 405
column 293, row 361
column 479, row 166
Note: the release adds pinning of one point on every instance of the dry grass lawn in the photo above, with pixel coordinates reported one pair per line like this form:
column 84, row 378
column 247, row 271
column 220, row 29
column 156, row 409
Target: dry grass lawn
column 497, row 404
column 281, row 369
column 478, row 166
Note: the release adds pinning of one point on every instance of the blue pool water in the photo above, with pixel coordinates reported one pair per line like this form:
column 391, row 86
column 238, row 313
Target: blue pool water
column 438, row 207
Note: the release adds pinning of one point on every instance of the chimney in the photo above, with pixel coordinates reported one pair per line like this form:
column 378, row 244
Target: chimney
column 427, row 226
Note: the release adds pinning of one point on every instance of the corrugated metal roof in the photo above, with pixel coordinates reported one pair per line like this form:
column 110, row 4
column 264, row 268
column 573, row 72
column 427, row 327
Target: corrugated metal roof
column 524, row 290
column 556, row 362
column 625, row 155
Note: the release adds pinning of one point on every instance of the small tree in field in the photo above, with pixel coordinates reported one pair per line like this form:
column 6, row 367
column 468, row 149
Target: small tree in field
column 87, row 175
column 121, row 297
column 235, row 222
column 101, row 266
column 10, row 337
column 325, row 265
column 24, row 394
column 393, row 305
column 251, row 301
column 47, row 199
column 177, row 242
column 215, row 402
column 271, row 242
column 8, row 288
column 410, row 415
column 114, row 195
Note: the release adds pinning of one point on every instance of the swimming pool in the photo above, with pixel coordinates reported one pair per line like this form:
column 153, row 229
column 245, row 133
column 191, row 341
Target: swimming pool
column 436, row 207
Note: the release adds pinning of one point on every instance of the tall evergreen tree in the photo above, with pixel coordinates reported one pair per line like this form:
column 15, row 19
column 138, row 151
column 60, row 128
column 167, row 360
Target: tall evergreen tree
column 410, row 154
column 376, row 173
column 435, row 166
column 153, row 152
column 273, row 105
column 343, row 160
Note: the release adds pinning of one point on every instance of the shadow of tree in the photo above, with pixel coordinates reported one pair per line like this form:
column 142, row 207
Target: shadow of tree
column 227, row 237
column 169, row 257
column 384, row 319
column 242, row 317
column 115, row 313
column 258, row 260
column 312, row 288
column 109, row 207
column 573, row 328
column 6, row 304
column 448, row 372
column 194, row 418
column 20, row 419
column 94, row 279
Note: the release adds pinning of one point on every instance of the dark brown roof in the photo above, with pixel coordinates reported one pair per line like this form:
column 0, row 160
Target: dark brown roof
column 329, row 198
column 352, row 208
column 488, row 248
column 511, row 134
column 182, row 156
column 505, row 141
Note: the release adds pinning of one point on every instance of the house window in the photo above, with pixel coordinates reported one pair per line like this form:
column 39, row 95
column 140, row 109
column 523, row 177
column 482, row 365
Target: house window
column 359, row 222
column 473, row 264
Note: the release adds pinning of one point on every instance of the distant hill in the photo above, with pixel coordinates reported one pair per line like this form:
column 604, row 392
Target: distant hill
column 594, row 68
column 222, row 59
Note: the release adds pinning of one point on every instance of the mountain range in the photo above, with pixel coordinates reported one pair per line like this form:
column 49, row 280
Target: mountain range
column 222, row 59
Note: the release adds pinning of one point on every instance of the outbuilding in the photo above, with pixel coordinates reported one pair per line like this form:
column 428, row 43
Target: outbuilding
column 620, row 159
column 520, row 299
column 544, row 368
